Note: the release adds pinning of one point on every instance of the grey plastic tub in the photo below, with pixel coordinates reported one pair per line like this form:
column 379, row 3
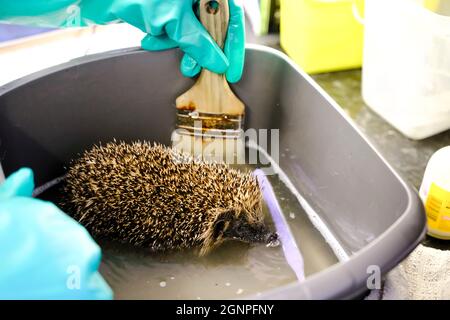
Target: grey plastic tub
column 377, row 219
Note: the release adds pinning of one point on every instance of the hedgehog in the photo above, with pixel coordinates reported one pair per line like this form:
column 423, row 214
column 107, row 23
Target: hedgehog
column 157, row 197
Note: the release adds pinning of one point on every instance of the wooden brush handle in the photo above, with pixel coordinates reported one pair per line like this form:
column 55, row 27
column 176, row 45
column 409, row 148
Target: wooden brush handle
column 215, row 16
column 211, row 94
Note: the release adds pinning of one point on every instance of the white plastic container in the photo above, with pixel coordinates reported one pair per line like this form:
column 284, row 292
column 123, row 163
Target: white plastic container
column 406, row 65
column 435, row 194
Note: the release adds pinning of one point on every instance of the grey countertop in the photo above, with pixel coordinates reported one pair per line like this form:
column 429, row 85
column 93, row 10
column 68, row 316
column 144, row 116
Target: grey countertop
column 408, row 157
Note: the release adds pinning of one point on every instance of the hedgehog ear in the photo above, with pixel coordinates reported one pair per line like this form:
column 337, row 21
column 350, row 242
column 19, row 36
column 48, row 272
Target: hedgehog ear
column 213, row 236
column 222, row 221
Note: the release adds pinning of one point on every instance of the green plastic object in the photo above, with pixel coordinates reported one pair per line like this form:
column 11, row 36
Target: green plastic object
column 266, row 7
column 44, row 253
column 168, row 24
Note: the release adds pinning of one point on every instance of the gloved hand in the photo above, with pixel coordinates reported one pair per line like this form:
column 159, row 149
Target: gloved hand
column 168, row 24
column 44, row 254
column 234, row 47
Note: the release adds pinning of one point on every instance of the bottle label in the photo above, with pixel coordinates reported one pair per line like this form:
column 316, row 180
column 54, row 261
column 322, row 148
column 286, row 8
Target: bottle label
column 437, row 208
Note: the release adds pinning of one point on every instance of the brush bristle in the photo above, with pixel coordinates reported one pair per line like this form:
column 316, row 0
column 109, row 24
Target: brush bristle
column 219, row 149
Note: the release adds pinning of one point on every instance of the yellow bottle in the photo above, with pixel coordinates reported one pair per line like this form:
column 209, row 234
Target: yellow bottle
column 435, row 194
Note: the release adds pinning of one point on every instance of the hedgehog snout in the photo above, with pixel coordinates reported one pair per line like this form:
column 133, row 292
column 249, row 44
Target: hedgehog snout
column 264, row 235
column 251, row 233
column 272, row 239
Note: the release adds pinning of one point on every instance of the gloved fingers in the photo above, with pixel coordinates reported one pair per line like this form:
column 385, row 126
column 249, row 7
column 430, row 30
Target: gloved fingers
column 158, row 43
column 195, row 40
column 189, row 67
column 234, row 47
column 235, row 41
column 18, row 184
column 99, row 288
column 38, row 235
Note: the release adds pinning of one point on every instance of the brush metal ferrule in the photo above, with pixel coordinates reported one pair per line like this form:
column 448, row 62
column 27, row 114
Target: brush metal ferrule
column 209, row 125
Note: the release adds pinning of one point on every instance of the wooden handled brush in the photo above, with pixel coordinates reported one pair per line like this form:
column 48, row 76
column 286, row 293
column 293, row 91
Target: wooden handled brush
column 209, row 115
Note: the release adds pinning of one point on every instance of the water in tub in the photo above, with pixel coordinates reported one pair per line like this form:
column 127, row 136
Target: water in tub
column 233, row 270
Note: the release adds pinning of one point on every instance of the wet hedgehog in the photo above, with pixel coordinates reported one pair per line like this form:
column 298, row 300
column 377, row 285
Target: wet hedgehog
column 154, row 196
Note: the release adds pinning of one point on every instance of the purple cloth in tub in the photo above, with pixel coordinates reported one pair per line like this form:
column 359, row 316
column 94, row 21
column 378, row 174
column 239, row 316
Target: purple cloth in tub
column 291, row 251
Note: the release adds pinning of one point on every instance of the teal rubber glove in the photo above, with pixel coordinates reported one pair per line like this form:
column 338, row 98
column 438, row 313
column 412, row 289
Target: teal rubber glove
column 168, row 24
column 234, row 46
column 44, row 253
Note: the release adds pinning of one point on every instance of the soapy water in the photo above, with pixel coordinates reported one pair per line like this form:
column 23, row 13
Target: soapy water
column 233, row 270
column 315, row 219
